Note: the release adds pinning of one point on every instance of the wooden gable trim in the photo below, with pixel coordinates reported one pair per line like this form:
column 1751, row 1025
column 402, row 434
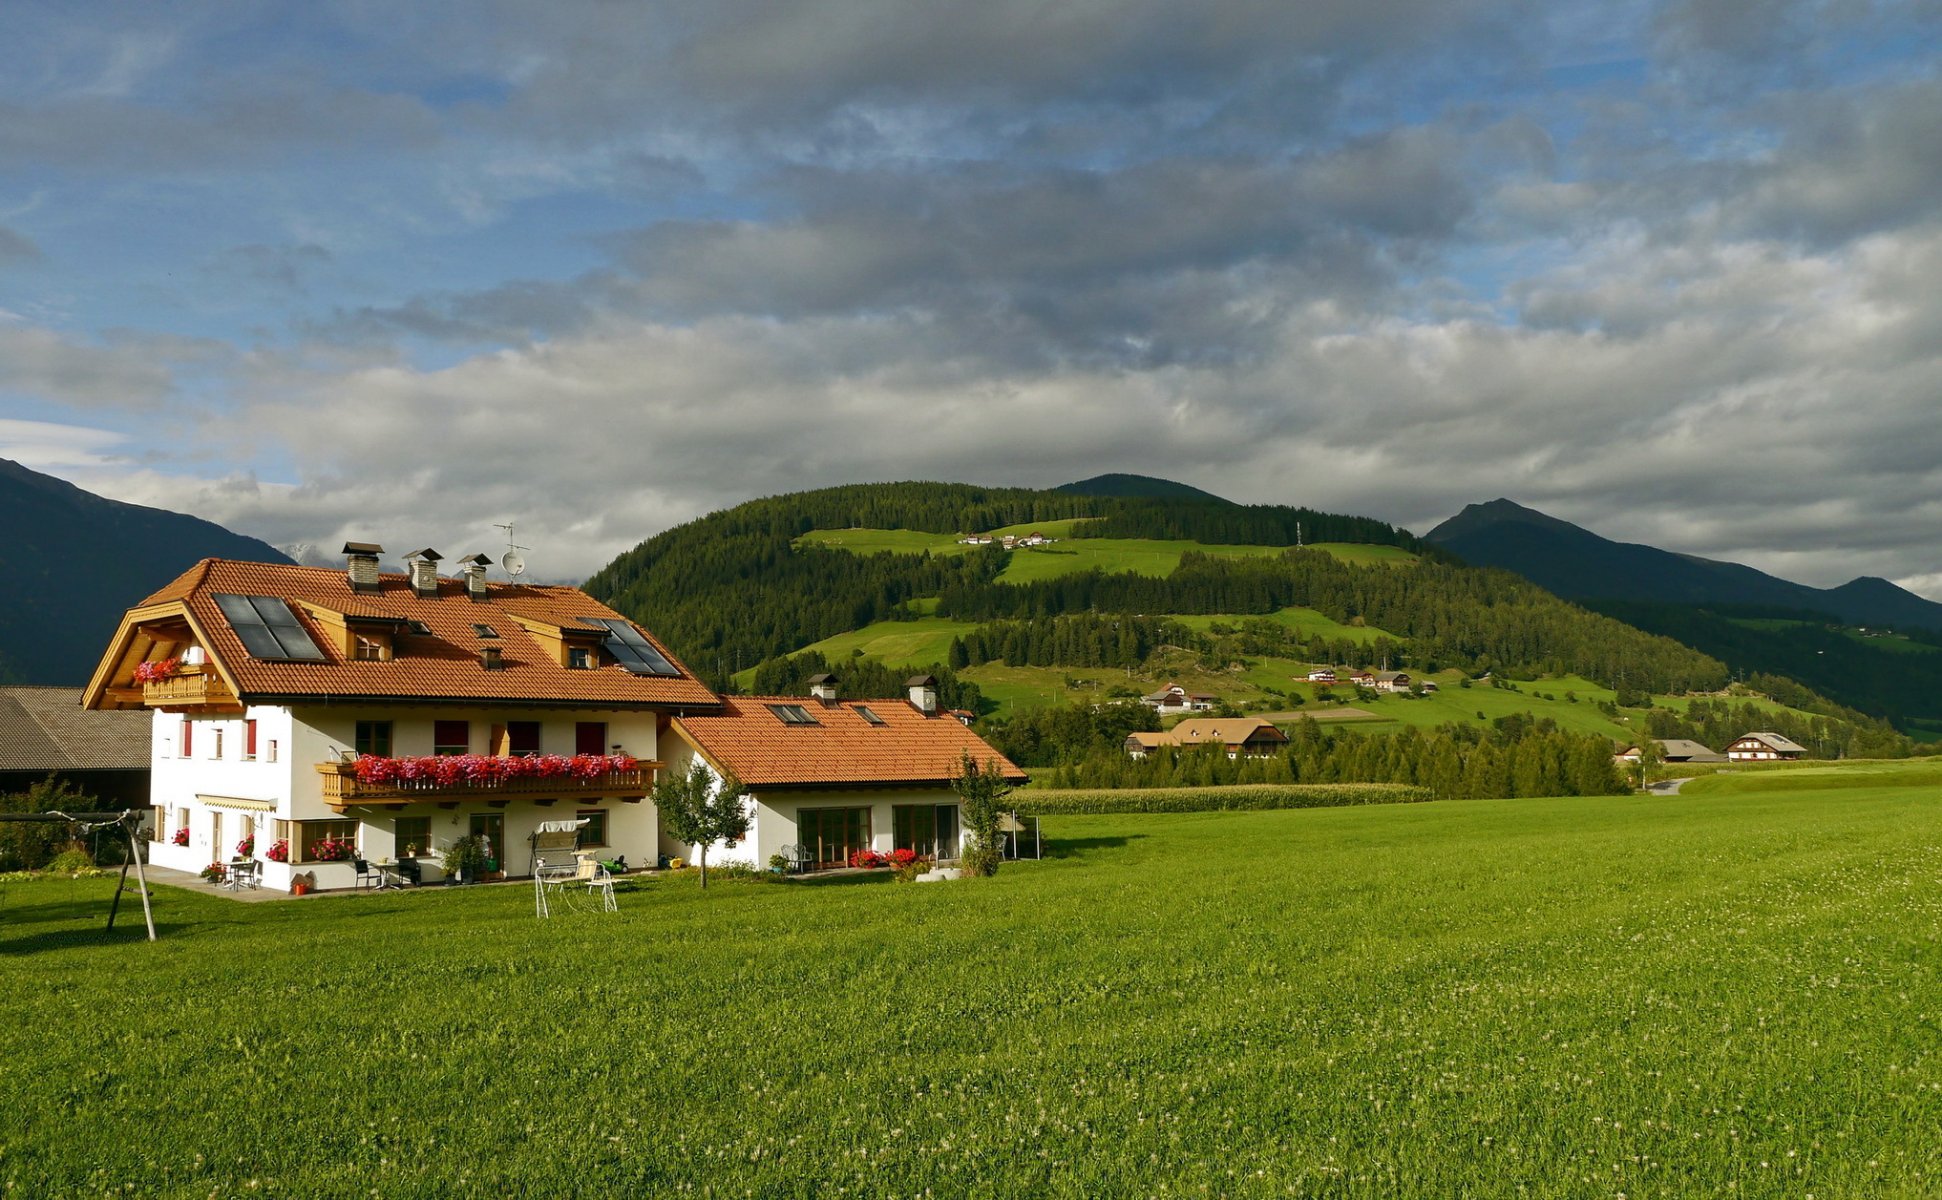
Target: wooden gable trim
column 110, row 669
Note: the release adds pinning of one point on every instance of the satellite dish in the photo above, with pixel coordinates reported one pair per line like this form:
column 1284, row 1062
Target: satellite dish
column 514, row 562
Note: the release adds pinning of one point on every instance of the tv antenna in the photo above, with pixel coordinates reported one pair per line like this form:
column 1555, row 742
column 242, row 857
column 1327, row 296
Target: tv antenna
column 514, row 562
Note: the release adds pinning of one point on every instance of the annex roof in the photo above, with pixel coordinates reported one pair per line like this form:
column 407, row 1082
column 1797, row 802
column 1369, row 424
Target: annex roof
column 443, row 664
column 46, row 729
column 839, row 747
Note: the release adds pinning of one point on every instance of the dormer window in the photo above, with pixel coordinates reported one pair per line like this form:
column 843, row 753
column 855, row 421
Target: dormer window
column 580, row 658
column 370, row 649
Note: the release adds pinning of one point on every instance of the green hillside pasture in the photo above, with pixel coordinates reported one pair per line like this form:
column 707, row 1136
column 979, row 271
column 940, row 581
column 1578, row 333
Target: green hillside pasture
column 1712, row 996
column 1069, row 555
column 1304, row 621
column 1460, row 705
column 916, row 643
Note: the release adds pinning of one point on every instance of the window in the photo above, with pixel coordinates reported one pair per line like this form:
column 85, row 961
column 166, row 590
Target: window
column 269, row 754
column 522, row 737
column 419, row 627
column 485, row 631
column 158, row 823
column 590, row 737
column 594, row 832
column 310, row 833
column 579, row 658
column 187, row 742
column 451, row 737
column 413, row 835
column 219, row 743
column 369, row 649
column 374, row 737
column 868, row 716
column 831, row 835
column 793, row 714
column 926, row 828
column 249, row 740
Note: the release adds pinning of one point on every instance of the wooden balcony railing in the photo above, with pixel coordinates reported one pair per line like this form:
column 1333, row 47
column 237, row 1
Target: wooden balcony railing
column 341, row 787
column 193, row 690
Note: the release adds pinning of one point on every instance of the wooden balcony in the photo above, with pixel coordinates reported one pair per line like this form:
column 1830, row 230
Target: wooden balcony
column 342, row 789
column 198, row 690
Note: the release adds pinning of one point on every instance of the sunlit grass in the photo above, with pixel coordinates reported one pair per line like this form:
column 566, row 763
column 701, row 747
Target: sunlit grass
column 1728, row 996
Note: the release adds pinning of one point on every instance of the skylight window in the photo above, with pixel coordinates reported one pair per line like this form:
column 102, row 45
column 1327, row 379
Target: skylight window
column 419, row 627
column 793, row 714
column 869, row 716
column 633, row 652
column 268, row 629
column 485, row 631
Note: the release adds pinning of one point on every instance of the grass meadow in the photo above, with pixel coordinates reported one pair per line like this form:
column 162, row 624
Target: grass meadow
column 1730, row 995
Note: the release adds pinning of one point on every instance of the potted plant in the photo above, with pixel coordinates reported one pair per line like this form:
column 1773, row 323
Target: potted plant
column 279, row 851
column 181, row 837
column 464, row 859
column 214, row 872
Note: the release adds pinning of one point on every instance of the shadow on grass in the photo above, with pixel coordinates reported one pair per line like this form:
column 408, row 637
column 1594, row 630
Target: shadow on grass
column 124, row 933
column 1081, row 847
column 842, row 878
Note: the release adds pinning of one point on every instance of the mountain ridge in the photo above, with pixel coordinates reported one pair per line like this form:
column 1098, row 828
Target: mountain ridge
column 1576, row 563
column 77, row 561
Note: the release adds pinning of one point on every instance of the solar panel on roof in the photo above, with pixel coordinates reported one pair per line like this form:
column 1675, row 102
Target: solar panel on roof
column 632, row 651
column 269, row 629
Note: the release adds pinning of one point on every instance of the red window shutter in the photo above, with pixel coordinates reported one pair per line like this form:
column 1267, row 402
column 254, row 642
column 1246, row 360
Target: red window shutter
column 249, row 739
column 188, row 737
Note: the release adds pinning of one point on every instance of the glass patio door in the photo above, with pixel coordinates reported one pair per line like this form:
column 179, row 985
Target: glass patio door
column 492, row 827
column 929, row 829
column 831, row 835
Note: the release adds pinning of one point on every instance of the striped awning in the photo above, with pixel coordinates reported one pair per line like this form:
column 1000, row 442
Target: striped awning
column 237, row 802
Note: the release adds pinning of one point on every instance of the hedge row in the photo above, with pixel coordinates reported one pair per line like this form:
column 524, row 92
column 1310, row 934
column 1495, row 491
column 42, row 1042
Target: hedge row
column 1059, row 801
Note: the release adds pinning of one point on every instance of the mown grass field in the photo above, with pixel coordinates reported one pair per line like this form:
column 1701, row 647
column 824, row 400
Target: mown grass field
column 1731, row 996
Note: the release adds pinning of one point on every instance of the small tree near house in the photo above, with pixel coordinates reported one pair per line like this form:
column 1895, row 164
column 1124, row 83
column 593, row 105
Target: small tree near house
column 698, row 812
column 981, row 792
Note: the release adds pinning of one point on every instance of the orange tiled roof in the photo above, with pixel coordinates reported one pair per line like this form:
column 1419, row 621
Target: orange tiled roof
column 840, row 749
column 443, row 665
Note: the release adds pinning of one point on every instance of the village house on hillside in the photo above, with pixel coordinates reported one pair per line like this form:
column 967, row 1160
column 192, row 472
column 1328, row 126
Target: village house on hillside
column 1764, row 747
column 1244, row 737
column 316, row 718
column 1173, row 700
column 831, row 777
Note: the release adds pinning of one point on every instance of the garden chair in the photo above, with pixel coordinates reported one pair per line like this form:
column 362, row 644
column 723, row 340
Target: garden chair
column 366, row 876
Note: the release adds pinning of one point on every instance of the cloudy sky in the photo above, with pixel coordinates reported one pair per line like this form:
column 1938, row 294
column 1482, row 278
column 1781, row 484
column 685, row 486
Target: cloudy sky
column 352, row 269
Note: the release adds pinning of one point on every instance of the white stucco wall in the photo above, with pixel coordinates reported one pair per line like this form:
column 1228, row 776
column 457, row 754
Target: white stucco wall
column 291, row 784
column 775, row 822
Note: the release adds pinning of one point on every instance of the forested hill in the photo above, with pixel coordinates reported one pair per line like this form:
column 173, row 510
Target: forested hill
column 732, row 589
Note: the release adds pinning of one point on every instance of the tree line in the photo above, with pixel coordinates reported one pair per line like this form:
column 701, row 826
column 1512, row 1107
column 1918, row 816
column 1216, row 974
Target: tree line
column 1521, row 757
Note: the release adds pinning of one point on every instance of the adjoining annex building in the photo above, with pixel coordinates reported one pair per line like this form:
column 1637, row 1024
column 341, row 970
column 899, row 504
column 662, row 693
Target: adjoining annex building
column 320, row 720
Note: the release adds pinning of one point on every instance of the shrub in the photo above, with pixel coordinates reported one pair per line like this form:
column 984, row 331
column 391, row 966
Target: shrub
column 71, row 861
column 1051, row 802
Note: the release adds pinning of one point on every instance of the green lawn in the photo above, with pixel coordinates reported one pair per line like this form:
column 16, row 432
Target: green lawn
column 1730, row 996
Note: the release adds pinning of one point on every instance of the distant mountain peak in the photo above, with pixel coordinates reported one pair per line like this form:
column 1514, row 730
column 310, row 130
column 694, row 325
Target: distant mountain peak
column 1580, row 565
column 1144, row 486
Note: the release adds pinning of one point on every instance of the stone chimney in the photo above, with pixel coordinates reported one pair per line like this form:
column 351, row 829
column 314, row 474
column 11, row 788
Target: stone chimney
column 362, row 565
column 923, row 693
column 823, row 687
column 423, row 565
column 491, row 658
column 473, row 567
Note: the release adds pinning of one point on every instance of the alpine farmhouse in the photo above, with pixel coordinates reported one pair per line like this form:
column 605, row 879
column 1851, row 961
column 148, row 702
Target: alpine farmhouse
column 319, row 720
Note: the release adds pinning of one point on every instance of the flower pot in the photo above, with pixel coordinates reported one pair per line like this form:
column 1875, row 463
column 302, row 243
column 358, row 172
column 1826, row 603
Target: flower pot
column 300, row 888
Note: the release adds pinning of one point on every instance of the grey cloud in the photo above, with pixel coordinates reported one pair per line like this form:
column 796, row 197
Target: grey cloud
column 280, row 268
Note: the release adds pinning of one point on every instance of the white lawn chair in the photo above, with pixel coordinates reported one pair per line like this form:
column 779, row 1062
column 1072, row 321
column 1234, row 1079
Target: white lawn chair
column 561, row 873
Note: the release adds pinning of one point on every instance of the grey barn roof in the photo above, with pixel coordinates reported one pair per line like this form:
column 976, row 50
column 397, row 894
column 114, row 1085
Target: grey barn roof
column 46, row 729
